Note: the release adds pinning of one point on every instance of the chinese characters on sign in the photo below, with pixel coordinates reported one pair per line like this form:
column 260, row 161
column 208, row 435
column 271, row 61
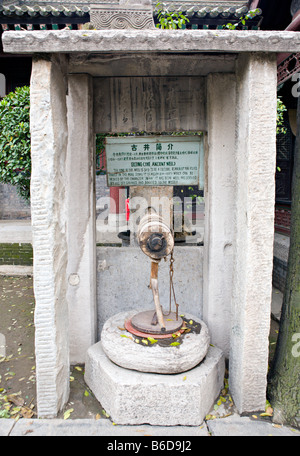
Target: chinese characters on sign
column 154, row 160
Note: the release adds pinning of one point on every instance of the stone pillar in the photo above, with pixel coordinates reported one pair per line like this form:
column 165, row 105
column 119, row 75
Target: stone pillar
column 253, row 250
column 81, row 217
column 49, row 137
column 219, row 208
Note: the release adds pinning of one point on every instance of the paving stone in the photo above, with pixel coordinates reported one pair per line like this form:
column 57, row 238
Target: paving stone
column 6, row 426
column 236, row 425
column 102, row 427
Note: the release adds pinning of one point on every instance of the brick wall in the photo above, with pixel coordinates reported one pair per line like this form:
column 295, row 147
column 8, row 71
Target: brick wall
column 16, row 254
column 282, row 219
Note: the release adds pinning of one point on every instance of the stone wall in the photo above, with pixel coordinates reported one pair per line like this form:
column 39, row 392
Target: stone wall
column 12, row 206
column 123, row 276
column 280, row 260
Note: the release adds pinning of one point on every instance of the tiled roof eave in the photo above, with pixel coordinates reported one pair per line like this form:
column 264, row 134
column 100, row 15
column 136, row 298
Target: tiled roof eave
column 29, row 14
column 26, row 11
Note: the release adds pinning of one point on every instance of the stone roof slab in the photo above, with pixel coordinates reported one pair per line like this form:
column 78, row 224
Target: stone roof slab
column 169, row 41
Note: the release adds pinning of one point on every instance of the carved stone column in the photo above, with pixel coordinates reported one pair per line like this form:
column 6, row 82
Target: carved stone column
column 49, row 139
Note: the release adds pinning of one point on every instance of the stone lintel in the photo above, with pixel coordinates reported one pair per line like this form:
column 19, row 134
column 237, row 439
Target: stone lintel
column 66, row 41
column 154, row 64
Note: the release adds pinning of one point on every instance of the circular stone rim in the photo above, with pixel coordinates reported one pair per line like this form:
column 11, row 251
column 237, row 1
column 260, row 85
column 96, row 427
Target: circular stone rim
column 119, row 346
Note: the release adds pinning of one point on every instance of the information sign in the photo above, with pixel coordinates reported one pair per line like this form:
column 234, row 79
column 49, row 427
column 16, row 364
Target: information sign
column 154, row 160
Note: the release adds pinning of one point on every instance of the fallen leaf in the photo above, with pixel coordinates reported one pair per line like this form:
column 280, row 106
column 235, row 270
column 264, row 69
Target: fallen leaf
column 173, row 344
column 98, row 416
column 152, row 340
column 127, row 337
column 184, row 378
column 26, row 412
column 254, row 416
column 15, row 410
column 19, row 401
column 68, row 413
column 78, row 368
column 86, row 393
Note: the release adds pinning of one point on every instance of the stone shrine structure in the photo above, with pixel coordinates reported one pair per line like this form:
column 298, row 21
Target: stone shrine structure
column 219, row 82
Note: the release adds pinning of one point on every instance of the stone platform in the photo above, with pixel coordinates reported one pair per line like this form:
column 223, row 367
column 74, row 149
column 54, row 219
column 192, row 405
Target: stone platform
column 118, row 344
column 132, row 397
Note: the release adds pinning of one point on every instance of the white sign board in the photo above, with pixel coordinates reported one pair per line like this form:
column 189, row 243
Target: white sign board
column 154, row 161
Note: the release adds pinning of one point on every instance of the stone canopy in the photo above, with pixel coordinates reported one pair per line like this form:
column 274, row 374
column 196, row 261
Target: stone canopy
column 79, row 87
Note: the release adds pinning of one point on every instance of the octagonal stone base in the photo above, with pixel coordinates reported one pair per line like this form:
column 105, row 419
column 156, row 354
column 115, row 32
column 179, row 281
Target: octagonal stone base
column 132, row 397
column 118, row 345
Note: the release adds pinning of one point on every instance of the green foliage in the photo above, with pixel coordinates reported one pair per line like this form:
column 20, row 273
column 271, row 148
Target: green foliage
column 15, row 161
column 242, row 20
column 170, row 19
column 280, row 128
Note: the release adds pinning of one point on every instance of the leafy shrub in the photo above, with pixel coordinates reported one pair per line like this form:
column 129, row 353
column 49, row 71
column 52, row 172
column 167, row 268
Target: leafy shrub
column 15, row 160
column 168, row 19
